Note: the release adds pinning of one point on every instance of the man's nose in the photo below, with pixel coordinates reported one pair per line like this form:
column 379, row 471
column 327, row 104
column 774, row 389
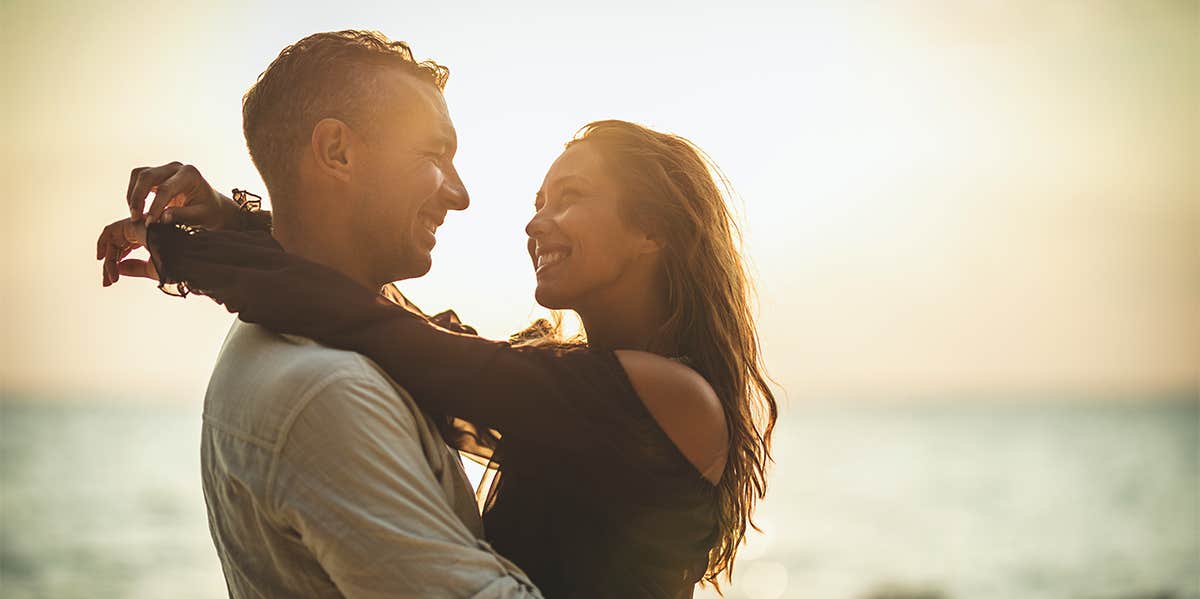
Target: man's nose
column 454, row 193
column 537, row 226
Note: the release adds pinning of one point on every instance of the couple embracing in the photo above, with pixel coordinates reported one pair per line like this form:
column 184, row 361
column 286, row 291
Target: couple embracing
column 630, row 457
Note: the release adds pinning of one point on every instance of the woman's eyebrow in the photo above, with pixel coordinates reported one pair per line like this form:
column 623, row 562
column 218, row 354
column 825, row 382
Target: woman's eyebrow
column 569, row 183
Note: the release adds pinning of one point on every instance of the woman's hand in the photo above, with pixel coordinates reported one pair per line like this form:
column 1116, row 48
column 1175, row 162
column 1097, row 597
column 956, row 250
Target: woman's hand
column 180, row 195
column 115, row 242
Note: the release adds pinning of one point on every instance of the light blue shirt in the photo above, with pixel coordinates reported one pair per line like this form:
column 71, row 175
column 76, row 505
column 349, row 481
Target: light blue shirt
column 323, row 479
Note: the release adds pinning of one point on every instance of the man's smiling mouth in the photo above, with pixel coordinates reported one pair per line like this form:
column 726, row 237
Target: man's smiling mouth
column 429, row 223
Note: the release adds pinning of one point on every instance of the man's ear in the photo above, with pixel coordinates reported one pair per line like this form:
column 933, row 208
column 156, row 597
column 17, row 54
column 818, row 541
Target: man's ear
column 334, row 147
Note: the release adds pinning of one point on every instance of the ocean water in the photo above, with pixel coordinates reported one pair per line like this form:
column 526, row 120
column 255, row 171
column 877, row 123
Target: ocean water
column 968, row 500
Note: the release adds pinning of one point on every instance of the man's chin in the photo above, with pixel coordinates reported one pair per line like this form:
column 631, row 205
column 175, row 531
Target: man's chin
column 421, row 266
column 415, row 267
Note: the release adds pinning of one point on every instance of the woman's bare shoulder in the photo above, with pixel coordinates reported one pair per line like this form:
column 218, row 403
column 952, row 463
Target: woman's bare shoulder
column 684, row 404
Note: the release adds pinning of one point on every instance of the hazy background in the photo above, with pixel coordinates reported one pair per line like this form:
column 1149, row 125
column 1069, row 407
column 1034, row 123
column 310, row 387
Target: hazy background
column 975, row 196
column 979, row 203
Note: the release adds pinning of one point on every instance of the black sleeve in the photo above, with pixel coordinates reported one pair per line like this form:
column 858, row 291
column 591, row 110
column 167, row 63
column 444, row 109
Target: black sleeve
column 256, row 220
column 574, row 397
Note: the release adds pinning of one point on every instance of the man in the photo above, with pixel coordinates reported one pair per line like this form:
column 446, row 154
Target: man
column 321, row 476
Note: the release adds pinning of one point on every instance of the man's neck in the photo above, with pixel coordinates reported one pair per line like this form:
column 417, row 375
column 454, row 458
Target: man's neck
column 325, row 244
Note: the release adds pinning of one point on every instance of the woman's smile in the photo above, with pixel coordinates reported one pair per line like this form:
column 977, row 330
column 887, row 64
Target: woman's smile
column 549, row 256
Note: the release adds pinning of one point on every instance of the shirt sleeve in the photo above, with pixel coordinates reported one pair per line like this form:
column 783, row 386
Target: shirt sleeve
column 354, row 480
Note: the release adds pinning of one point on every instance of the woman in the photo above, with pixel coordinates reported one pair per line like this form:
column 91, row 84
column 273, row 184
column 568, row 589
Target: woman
column 609, row 487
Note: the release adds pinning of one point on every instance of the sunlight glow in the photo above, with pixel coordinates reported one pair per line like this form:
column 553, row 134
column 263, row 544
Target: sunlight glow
column 938, row 199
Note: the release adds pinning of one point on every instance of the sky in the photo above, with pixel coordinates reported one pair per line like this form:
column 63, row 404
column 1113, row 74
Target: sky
column 965, row 199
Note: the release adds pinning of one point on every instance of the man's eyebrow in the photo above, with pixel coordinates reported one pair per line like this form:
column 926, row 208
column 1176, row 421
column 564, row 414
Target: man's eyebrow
column 443, row 140
column 571, row 180
column 538, row 197
column 439, row 135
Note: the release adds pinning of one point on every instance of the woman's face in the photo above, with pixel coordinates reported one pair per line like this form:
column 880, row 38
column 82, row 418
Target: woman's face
column 578, row 241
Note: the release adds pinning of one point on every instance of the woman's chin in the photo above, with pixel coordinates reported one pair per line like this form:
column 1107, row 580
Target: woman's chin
column 549, row 297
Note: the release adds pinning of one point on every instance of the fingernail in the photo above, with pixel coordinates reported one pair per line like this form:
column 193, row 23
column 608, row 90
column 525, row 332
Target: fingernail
column 168, row 217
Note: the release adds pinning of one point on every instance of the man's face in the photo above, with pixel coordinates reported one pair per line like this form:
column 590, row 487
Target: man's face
column 409, row 182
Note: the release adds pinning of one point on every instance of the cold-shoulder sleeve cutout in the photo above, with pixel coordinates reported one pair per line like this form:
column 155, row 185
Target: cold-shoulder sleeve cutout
column 685, row 407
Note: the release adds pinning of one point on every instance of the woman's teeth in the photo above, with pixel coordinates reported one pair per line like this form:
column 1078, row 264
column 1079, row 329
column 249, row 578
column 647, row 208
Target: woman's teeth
column 430, row 225
column 550, row 258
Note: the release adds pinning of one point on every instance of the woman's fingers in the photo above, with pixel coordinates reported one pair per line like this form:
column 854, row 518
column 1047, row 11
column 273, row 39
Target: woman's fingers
column 137, row 268
column 115, row 242
column 185, row 187
column 133, row 178
column 111, row 260
column 120, row 233
column 101, row 243
column 142, row 181
column 167, row 191
column 195, row 215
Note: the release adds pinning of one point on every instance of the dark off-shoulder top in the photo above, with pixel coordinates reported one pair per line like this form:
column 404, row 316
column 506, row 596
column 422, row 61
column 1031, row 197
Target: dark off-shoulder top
column 605, row 505
column 594, row 500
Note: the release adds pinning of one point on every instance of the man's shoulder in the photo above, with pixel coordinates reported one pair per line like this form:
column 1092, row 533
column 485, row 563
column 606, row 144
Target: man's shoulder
column 254, row 358
column 263, row 379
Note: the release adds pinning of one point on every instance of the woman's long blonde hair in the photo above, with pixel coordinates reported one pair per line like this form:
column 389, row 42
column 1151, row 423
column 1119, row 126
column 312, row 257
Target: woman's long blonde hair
column 672, row 188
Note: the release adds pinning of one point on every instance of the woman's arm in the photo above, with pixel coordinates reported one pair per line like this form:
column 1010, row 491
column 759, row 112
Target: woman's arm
column 570, row 398
column 582, row 399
